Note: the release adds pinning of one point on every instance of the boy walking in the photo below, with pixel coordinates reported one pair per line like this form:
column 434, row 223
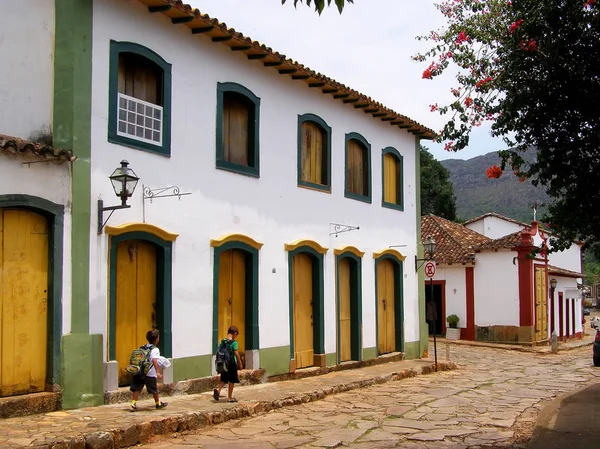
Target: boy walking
column 149, row 380
column 230, row 377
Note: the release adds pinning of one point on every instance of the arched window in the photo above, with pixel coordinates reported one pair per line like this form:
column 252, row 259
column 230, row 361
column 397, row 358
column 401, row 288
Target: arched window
column 237, row 129
column 358, row 168
column 392, row 176
column 314, row 152
column 140, row 98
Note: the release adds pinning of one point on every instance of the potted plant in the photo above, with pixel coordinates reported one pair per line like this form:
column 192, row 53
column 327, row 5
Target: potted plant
column 452, row 331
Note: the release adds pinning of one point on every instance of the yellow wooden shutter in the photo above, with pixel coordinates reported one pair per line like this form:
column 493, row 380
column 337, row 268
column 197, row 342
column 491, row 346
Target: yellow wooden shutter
column 236, row 118
column 390, row 179
column 356, row 169
column 312, row 169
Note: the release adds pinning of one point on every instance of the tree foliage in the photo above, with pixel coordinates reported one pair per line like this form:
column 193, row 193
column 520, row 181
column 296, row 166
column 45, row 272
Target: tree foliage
column 531, row 68
column 437, row 193
column 320, row 4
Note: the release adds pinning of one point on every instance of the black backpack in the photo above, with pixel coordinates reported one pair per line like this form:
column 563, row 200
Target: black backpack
column 224, row 357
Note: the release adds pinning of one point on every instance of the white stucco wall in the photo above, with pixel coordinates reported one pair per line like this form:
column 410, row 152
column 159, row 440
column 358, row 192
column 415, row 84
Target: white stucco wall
column 271, row 209
column 50, row 182
column 569, row 259
column 494, row 227
column 26, row 72
column 455, row 290
column 496, row 289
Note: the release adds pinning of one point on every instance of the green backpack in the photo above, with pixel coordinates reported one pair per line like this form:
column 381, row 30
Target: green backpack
column 139, row 361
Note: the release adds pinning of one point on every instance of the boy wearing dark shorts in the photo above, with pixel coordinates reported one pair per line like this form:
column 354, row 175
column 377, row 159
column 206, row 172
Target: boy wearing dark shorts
column 149, row 380
column 231, row 376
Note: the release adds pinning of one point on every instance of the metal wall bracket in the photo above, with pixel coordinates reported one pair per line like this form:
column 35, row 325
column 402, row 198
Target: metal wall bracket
column 340, row 228
column 151, row 194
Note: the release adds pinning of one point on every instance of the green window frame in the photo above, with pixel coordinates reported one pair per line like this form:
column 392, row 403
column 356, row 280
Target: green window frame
column 253, row 167
column 399, row 204
column 367, row 148
column 116, row 48
column 326, row 160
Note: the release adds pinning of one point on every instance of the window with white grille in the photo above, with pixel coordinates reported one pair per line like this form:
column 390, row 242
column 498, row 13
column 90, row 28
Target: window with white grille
column 139, row 120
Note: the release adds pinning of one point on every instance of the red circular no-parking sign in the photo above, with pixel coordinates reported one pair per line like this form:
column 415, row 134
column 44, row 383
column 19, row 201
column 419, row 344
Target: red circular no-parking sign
column 430, row 269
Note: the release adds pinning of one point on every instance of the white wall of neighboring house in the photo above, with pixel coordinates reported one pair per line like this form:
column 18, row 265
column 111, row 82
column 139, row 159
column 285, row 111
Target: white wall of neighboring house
column 496, row 289
column 568, row 287
column 272, row 209
column 26, row 81
column 455, row 290
column 494, row 227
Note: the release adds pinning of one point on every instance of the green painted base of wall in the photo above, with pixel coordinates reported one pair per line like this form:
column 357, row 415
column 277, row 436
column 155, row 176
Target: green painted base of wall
column 412, row 350
column 331, row 359
column 369, row 353
column 81, row 371
column 275, row 360
column 192, row 367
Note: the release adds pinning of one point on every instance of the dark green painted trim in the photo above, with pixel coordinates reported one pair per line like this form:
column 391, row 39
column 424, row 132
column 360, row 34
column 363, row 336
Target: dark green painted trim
column 54, row 213
column 369, row 353
column 398, row 301
column 399, row 176
column 367, row 148
column 275, row 360
column 423, row 326
column 192, row 367
column 251, row 310
column 72, row 118
column 327, row 130
column 355, row 304
column 253, row 169
column 164, row 260
column 113, row 89
column 318, row 298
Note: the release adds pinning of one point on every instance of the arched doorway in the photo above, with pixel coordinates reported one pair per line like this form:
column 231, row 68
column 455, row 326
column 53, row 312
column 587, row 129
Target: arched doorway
column 389, row 297
column 140, row 290
column 235, row 297
column 307, row 346
column 349, row 303
column 31, row 245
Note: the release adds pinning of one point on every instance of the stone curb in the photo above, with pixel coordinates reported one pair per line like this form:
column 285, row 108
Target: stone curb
column 543, row 349
column 141, row 432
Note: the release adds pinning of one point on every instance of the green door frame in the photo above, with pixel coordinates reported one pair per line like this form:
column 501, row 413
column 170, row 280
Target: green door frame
column 164, row 259
column 251, row 305
column 398, row 298
column 318, row 291
column 54, row 213
column 355, row 302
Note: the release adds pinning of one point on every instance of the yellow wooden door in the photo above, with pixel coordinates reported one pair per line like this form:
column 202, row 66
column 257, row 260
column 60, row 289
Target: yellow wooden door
column 303, row 310
column 135, row 300
column 541, row 304
column 345, row 316
column 232, row 296
column 386, row 332
column 23, row 301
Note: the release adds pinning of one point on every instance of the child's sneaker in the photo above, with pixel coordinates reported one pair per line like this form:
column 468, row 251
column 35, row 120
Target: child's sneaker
column 133, row 407
column 161, row 405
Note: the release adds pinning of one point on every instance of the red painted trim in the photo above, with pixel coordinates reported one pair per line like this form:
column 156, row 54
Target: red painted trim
column 568, row 321
column 469, row 331
column 525, row 287
column 573, row 315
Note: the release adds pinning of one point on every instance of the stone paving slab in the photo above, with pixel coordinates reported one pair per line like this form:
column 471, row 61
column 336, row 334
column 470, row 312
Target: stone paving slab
column 114, row 426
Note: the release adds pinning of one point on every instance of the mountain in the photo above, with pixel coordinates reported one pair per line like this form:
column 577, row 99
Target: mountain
column 477, row 195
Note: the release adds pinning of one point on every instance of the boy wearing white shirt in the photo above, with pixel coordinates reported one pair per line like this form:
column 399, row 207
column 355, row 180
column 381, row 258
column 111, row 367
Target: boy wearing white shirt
column 149, row 380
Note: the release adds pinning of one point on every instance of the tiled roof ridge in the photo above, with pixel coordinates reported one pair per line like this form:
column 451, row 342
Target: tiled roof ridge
column 261, row 51
column 17, row 145
column 443, row 228
column 497, row 215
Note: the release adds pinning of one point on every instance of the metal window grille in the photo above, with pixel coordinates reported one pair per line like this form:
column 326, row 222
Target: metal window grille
column 139, row 120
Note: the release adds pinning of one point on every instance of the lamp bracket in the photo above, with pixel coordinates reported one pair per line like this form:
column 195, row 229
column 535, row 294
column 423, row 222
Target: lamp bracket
column 151, row 194
column 340, row 228
column 102, row 209
column 419, row 265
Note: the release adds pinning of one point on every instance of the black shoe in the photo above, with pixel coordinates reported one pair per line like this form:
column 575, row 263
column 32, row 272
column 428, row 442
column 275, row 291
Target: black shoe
column 216, row 395
column 161, row 405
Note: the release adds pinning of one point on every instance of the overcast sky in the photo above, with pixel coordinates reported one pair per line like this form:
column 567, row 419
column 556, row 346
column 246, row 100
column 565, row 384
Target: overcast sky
column 367, row 48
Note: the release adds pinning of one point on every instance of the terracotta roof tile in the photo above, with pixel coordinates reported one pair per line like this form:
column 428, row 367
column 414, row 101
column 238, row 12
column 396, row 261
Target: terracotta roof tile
column 455, row 243
column 557, row 271
column 507, row 242
column 15, row 145
column 219, row 32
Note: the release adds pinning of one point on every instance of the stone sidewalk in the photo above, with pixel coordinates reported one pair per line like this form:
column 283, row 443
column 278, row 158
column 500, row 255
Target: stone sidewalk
column 114, row 426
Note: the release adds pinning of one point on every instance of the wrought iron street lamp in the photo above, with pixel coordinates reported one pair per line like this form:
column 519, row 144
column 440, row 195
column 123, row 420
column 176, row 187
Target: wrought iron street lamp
column 429, row 245
column 124, row 181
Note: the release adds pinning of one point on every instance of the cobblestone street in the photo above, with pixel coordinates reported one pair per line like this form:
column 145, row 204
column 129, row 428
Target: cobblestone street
column 492, row 400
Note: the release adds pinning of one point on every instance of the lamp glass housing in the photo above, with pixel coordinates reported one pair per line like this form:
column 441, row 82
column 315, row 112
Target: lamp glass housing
column 429, row 246
column 124, row 180
column 553, row 283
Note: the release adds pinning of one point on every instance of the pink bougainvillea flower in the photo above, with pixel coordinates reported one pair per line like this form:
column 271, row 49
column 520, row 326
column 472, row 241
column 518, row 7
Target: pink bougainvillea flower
column 515, row 25
column 468, row 101
column 433, row 107
column 480, row 83
column 449, row 146
column 493, row 172
column 462, row 37
column 530, row 45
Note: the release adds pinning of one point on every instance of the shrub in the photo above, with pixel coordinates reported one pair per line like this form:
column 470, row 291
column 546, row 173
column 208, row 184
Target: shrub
column 452, row 321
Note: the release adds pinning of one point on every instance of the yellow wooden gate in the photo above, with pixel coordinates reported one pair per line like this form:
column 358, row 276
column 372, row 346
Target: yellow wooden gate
column 541, row 304
column 345, row 315
column 23, row 301
column 232, row 295
column 386, row 332
column 303, row 310
column 135, row 300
